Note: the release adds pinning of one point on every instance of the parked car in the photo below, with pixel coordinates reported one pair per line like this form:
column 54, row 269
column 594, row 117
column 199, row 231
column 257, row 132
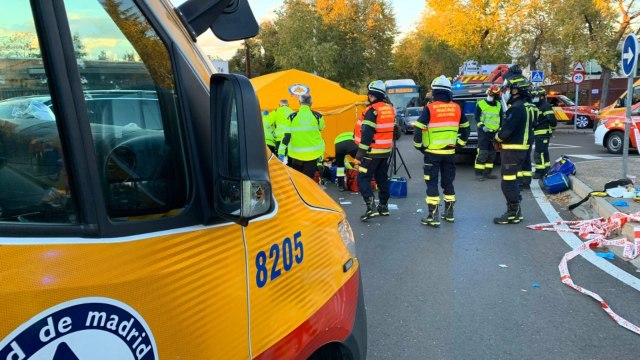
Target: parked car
column 407, row 118
column 610, row 132
column 564, row 110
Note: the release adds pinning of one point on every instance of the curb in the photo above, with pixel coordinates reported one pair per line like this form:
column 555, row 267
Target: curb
column 604, row 209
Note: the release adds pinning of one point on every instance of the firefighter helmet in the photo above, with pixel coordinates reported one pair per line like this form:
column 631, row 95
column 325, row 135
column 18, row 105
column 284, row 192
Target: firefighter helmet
column 441, row 83
column 493, row 90
column 377, row 89
column 538, row 92
column 517, row 82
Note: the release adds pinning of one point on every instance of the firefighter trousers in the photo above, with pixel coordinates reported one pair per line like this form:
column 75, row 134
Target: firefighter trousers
column 443, row 166
column 374, row 168
column 524, row 175
column 512, row 161
column 486, row 153
column 541, row 154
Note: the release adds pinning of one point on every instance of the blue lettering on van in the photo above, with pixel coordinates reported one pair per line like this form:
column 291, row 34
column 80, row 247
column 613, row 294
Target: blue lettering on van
column 281, row 256
column 87, row 328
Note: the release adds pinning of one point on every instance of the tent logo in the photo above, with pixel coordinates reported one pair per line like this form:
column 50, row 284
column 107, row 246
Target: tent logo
column 298, row 89
column 92, row 328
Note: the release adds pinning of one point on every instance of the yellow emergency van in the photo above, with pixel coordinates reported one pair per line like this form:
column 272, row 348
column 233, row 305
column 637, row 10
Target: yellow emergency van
column 141, row 215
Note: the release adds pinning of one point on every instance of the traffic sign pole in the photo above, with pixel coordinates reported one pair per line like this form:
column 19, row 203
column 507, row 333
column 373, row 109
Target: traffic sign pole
column 575, row 112
column 629, row 62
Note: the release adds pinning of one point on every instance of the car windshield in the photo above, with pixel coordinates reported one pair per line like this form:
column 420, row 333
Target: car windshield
column 414, row 111
column 566, row 100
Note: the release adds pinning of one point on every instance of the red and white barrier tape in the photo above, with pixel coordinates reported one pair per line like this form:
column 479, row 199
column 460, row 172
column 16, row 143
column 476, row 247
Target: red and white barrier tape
column 596, row 231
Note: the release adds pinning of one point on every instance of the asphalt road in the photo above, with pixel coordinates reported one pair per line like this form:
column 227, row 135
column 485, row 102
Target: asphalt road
column 442, row 294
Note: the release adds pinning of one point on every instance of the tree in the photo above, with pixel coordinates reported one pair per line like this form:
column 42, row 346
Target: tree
column 103, row 55
column 20, row 45
column 78, row 47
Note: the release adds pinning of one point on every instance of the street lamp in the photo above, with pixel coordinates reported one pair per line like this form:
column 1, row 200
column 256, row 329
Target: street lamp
column 312, row 3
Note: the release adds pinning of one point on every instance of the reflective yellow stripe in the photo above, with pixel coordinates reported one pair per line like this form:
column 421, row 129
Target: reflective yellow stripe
column 442, row 152
column 461, row 142
column 418, row 145
column 509, row 177
column 464, row 125
column 548, row 112
column 427, row 177
column 369, row 123
column 363, row 146
column 362, row 169
column 479, row 166
column 379, row 151
column 449, row 198
column 489, row 165
column 542, row 132
column 515, row 146
column 433, row 200
column 419, row 125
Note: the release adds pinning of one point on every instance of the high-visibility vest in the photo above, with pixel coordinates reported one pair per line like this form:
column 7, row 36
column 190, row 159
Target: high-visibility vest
column 281, row 121
column 306, row 141
column 441, row 134
column 384, row 125
column 268, row 131
column 343, row 137
column 490, row 115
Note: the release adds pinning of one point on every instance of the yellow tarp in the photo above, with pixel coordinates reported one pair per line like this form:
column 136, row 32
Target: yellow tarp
column 340, row 107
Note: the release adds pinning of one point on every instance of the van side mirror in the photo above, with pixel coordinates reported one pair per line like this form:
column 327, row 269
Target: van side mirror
column 241, row 182
column 620, row 102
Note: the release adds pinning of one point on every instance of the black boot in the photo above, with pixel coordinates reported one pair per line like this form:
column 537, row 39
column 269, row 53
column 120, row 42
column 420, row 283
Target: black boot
column 433, row 219
column 488, row 175
column 448, row 211
column 479, row 175
column 341, row 185
column 512, row 216
column 383, row 209
column 370, row 212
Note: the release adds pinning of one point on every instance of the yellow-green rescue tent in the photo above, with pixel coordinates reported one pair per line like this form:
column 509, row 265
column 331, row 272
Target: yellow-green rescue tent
column 340, row 107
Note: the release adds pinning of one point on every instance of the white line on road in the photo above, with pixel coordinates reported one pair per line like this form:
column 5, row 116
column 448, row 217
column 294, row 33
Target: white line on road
column 574, row 242
column 586, row 157
column 562, row 146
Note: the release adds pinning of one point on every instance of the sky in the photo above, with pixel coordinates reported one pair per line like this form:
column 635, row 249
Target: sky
column 407, row 13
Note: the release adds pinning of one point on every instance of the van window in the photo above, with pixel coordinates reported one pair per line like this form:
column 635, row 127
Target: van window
column 34, row 186
column 129, row 90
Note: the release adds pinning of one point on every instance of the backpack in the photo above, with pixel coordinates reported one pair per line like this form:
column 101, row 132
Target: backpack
column 562, row 165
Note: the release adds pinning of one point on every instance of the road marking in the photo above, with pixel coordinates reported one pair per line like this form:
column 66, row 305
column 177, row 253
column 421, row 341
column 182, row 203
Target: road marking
column 574, row 241
column 563, row 146
column 586, row 157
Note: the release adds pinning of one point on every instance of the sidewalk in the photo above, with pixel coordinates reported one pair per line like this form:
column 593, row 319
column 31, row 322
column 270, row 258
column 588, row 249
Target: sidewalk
column 591, row 176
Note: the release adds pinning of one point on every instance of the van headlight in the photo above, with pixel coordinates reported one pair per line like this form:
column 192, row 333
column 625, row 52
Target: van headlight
column 347, row 236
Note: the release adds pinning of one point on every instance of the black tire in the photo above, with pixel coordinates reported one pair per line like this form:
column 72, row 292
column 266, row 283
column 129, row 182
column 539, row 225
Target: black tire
column 614, row 142
column 583, row 122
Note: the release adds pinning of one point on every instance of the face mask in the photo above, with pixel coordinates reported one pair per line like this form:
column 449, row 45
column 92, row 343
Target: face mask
column 490, row 98
column 506, row 96
column 535, row 100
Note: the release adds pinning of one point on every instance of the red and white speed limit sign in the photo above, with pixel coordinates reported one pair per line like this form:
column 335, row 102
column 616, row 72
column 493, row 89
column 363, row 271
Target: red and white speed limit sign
column 577, row 78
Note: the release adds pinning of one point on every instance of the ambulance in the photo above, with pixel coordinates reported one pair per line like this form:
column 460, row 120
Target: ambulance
column 141, row 214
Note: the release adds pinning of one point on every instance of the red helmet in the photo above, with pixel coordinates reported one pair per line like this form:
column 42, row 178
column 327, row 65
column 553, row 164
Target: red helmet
column 493, row 90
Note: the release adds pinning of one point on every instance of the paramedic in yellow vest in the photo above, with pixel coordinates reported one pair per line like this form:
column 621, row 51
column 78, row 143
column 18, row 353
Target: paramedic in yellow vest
column 344, row 146
column 543, row 129
column 488, row 115
column 441, row 127
column 375, row 140
column 302, row 141
column 268, row 131
column 280, row 120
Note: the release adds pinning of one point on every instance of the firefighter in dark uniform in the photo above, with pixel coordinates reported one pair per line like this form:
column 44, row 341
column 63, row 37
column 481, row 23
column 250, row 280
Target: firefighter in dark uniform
column 488, row 116
column 441, row 126
column 515, row 137
column 375, row 140
column 543, row 129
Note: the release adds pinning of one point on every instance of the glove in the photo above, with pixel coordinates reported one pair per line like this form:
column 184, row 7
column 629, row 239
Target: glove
column 486, row 129
column 282, row 158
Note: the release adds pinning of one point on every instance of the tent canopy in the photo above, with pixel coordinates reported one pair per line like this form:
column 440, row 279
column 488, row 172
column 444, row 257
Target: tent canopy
column 328, row 96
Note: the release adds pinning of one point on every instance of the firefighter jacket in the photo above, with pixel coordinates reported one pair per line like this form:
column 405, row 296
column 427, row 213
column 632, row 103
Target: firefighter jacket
column 442, row 126
column 517, row 131
column 280, row 119
column 268, row 131
column 488, row 114
column 303, row 140
column 375, row 135
column 345, row 136
column 546, row 122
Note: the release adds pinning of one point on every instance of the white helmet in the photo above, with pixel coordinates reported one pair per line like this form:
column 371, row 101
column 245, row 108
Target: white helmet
column 377, row 89
column 441, row 83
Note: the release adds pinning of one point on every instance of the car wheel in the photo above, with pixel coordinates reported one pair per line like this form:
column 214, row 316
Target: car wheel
column 615, row 142
column 582, row 122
